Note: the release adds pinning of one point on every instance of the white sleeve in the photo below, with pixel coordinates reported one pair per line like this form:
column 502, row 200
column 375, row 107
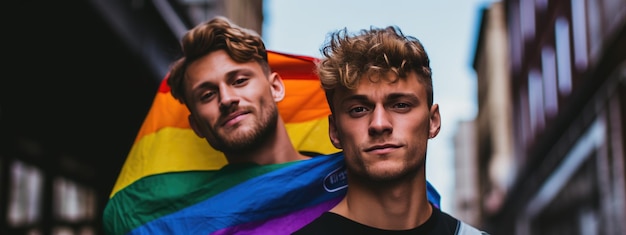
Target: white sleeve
column 466, row 229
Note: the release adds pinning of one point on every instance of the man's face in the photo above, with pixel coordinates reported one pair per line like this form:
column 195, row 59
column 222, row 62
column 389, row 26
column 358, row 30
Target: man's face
column 233, row 105
column 383, row 128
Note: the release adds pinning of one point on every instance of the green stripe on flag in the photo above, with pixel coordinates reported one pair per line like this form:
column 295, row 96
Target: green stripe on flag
column 158, row 195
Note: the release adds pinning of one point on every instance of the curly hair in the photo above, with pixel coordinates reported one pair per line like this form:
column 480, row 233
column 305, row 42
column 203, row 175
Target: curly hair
column 242, row 45
column 372, row 53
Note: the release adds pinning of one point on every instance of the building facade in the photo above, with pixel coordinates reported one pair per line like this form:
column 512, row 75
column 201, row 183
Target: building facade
column 492, row 129
column 561, row 166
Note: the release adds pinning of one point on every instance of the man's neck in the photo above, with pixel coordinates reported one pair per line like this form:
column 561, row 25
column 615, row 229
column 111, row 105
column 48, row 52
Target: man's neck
column 399, row 207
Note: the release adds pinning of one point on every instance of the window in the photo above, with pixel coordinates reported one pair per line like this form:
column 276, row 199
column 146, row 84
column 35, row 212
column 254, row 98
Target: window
column 25, row 196
column 72, row 202
column 527, row 14
column 548, row 60
column 535, row 101
column 579, row 19
column 563, row 56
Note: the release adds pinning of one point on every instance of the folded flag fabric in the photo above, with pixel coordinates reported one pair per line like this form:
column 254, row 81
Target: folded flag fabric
column 173, row 182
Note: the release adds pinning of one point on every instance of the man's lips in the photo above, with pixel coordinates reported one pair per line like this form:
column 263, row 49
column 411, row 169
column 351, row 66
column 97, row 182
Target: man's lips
column 234, row 118
column 382, row 149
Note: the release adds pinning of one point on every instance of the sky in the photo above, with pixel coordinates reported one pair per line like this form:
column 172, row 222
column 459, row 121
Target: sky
column 448, row 30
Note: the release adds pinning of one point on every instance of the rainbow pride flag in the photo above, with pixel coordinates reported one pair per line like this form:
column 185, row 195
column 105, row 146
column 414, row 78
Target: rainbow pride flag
column 174, row 182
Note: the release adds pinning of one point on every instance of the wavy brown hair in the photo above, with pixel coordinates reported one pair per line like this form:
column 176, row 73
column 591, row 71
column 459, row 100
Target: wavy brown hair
column 373, row 53
column 242, row 45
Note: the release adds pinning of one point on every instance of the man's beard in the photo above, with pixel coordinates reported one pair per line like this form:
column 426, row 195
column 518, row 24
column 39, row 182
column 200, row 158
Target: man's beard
column 263, row 130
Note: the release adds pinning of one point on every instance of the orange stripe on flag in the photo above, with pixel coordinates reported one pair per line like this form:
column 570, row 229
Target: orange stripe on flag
column 304, row 101
column 165, row 112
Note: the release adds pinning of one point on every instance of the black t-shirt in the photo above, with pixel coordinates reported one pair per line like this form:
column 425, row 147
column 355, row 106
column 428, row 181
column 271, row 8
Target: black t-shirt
column 439, row 223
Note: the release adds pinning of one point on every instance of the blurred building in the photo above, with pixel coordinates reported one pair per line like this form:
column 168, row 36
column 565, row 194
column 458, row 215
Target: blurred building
column 466, row 196
column 551, row 123
column 80, row 78
column 492, row 131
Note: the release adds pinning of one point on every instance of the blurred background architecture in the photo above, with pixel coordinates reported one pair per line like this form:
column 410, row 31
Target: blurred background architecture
column 83, row 74
column 549, row 134
column 545, row 154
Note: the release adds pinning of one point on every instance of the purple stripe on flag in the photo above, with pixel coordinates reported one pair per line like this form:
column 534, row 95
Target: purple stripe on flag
column 285, row 224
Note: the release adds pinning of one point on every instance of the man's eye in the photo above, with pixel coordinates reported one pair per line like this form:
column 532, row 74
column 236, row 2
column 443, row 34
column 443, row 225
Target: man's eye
column 401, row 105
column 404, row 107
column 207, row 96
column 240, row 81
column 358, row 110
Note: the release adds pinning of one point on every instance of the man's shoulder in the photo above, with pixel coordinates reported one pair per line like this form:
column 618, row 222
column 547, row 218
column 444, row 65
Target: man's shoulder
column 462, row 228
column 466, row 229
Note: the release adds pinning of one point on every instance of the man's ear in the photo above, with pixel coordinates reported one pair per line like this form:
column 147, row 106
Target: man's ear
column 332, row 132
column 194, row 126
column 435, row 121
column 277, row 86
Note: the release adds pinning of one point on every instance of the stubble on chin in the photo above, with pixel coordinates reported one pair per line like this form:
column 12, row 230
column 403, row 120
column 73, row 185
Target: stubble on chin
column 243, row 141
column 378, row 171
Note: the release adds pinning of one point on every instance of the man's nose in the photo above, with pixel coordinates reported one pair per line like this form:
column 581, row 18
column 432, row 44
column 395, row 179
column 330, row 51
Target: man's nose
column 228, row 97
column 380, row 122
